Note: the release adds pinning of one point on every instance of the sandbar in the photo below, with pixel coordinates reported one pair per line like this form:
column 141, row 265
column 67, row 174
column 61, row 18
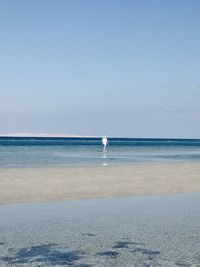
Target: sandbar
column 66, row 183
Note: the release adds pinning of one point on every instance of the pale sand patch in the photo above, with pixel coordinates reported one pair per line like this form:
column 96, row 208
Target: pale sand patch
column 61, row 183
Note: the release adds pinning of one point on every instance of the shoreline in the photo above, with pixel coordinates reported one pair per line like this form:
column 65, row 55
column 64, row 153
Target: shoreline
column 43, row 184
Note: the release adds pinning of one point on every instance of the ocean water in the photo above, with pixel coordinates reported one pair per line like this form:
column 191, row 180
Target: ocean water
column 30, row 152
column 151, row 231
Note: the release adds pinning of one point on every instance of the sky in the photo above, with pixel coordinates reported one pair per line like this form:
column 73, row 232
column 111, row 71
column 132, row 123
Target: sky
column 124, row 68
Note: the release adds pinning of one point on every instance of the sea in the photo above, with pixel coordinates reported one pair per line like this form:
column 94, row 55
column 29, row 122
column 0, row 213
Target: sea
column 41, row 151
column 135, row 231
column 142, row 231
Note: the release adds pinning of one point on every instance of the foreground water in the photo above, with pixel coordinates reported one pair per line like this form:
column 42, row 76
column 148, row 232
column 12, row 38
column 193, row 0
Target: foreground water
column 30, row 152
column 133, row 231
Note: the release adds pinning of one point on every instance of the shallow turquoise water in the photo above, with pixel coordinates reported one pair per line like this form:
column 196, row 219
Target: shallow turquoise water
column 29, row 152
column 130, row 231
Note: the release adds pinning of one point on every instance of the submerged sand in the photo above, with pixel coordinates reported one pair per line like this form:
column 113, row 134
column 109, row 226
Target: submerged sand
column 63, row 183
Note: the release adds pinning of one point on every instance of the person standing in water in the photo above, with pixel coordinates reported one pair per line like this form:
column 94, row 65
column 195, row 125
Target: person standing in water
column 104, row 143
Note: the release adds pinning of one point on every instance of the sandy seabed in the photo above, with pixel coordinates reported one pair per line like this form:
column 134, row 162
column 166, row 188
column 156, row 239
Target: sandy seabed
column 63, row 183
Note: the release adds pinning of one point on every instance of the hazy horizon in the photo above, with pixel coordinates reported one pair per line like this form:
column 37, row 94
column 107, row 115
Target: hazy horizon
column 120, row 68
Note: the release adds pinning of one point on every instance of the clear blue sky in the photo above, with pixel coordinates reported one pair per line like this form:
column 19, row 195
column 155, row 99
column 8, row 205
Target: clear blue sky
column 123, row 68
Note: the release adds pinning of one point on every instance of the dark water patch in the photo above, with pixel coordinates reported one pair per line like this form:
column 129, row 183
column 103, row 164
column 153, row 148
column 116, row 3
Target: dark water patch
column 83, row 265
column 47, row 254
column 137, row 247
column 130, row 242
column 122, row 244
column 110, row 254
column 88, row 234
column 145, row 251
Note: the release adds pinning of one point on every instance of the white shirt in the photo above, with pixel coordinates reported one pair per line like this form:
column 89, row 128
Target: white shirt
column 104, row 141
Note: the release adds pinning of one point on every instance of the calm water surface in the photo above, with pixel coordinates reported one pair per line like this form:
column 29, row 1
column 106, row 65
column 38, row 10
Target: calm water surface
column 131, row 231
column 29, row 152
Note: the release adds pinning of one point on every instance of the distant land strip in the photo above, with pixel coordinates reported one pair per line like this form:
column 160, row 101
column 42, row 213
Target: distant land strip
column 44, row 135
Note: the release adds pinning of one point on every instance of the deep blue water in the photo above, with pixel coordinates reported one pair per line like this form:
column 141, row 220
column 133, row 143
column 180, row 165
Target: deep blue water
column 29, row 152
column 76, row 141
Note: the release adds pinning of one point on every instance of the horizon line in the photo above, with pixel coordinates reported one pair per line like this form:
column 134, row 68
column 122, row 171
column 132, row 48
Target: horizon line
column 51, row 135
